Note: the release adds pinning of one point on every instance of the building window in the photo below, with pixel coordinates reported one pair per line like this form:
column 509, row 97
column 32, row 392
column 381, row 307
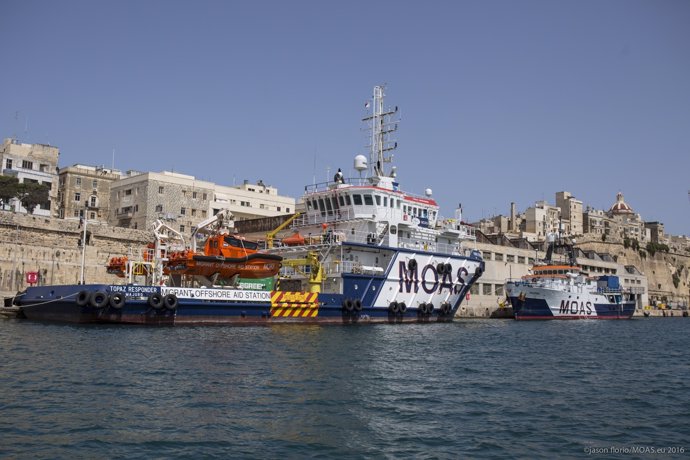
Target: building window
column 205, row 197
column 94, row 184
column 193, row 212
column 510, row 258
column 8, row 163
column 159, row 208
column 93, row 201
column 181, row 228
column 77, row 196
column 287, row 209
column 76, row 213
column 26, row 164
column 278, row 208
column 194, row 195
column 203, row 213
column 77, row 181
column 498, row 257
column 128, row 192
column 521, row 259
column 92, row 215
column 183, row 211
column 160, row 189
column 498, row 289
column 486, row 289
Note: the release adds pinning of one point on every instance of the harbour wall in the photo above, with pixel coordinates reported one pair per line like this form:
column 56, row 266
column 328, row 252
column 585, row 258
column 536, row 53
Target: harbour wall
column 52, row 248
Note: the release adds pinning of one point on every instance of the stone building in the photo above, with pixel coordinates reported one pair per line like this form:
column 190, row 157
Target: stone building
column 81, row 188
column 542, row 219
column 571, row 213
column 139, row 199
column 35, row 163
column 251, row 201
column 628, row 224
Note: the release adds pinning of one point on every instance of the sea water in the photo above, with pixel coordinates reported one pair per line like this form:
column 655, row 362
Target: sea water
column 470, row 389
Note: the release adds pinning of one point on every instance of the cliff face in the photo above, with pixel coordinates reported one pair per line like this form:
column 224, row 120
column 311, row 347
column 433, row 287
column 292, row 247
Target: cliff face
column 52, row 248
column 661, row 269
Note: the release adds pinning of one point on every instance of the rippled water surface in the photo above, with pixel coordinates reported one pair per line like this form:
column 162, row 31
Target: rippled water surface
column 477, row 389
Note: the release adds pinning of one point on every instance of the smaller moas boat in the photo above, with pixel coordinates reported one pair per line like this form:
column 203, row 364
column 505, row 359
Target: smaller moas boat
column 562, row 291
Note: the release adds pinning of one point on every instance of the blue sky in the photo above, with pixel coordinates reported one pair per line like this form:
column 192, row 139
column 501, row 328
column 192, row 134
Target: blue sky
column 500, row 101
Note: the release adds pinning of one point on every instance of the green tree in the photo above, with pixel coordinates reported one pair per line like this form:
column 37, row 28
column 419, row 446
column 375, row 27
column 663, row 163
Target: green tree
column 9, row 188
column 32, row 195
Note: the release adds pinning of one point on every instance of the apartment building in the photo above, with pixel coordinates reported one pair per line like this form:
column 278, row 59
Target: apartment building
column 137, row 200
column 85, row 190
column 35, row 163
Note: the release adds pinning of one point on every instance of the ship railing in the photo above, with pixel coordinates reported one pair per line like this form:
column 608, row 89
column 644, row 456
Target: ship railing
column 352, row 181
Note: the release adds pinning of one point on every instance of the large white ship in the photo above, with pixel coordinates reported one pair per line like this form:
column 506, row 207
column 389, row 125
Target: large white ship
column 376, row 252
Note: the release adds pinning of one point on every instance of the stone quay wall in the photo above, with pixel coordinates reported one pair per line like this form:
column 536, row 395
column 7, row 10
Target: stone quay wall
column 52, row 248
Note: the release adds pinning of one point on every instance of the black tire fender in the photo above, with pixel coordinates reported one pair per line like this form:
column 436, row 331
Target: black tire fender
column 117, row 300
column 83, row 298
column 99, row 299
column 155, row 300
column 170, row 301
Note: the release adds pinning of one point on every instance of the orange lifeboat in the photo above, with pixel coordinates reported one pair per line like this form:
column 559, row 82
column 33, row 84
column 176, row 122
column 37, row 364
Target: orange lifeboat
column 117, row 266
column 293, row 240
column 226, row 256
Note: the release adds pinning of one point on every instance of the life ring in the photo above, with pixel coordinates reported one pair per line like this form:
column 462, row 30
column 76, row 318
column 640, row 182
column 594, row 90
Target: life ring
column 402, row 307
column 394, row 307
column 155, row 300
column 170, row 301
column 98, row 299
column 357, row 304
column 117, row 300
column 83, row 298
column 412, row 265
column 348, row 305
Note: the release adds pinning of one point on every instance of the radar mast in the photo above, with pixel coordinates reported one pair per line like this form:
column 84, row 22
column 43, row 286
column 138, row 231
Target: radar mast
column 382, row 126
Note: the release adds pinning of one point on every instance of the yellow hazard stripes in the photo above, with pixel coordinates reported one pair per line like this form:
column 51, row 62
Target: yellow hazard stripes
column 286, row 304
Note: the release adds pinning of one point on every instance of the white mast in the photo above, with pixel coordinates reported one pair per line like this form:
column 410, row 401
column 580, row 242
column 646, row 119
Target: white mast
column 382, row 125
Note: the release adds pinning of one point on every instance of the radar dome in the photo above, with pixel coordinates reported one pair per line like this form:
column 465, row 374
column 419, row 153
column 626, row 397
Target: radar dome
column 361, row 163
column 427, row 192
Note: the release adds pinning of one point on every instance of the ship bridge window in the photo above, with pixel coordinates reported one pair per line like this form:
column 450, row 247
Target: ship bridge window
column 357, row 199
column 347, row 200
column 368, row 200
column 322, row 207
column 237, row 243
column 329, row 206
column 341, row 199
column 378, row 200
column 385, row 201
